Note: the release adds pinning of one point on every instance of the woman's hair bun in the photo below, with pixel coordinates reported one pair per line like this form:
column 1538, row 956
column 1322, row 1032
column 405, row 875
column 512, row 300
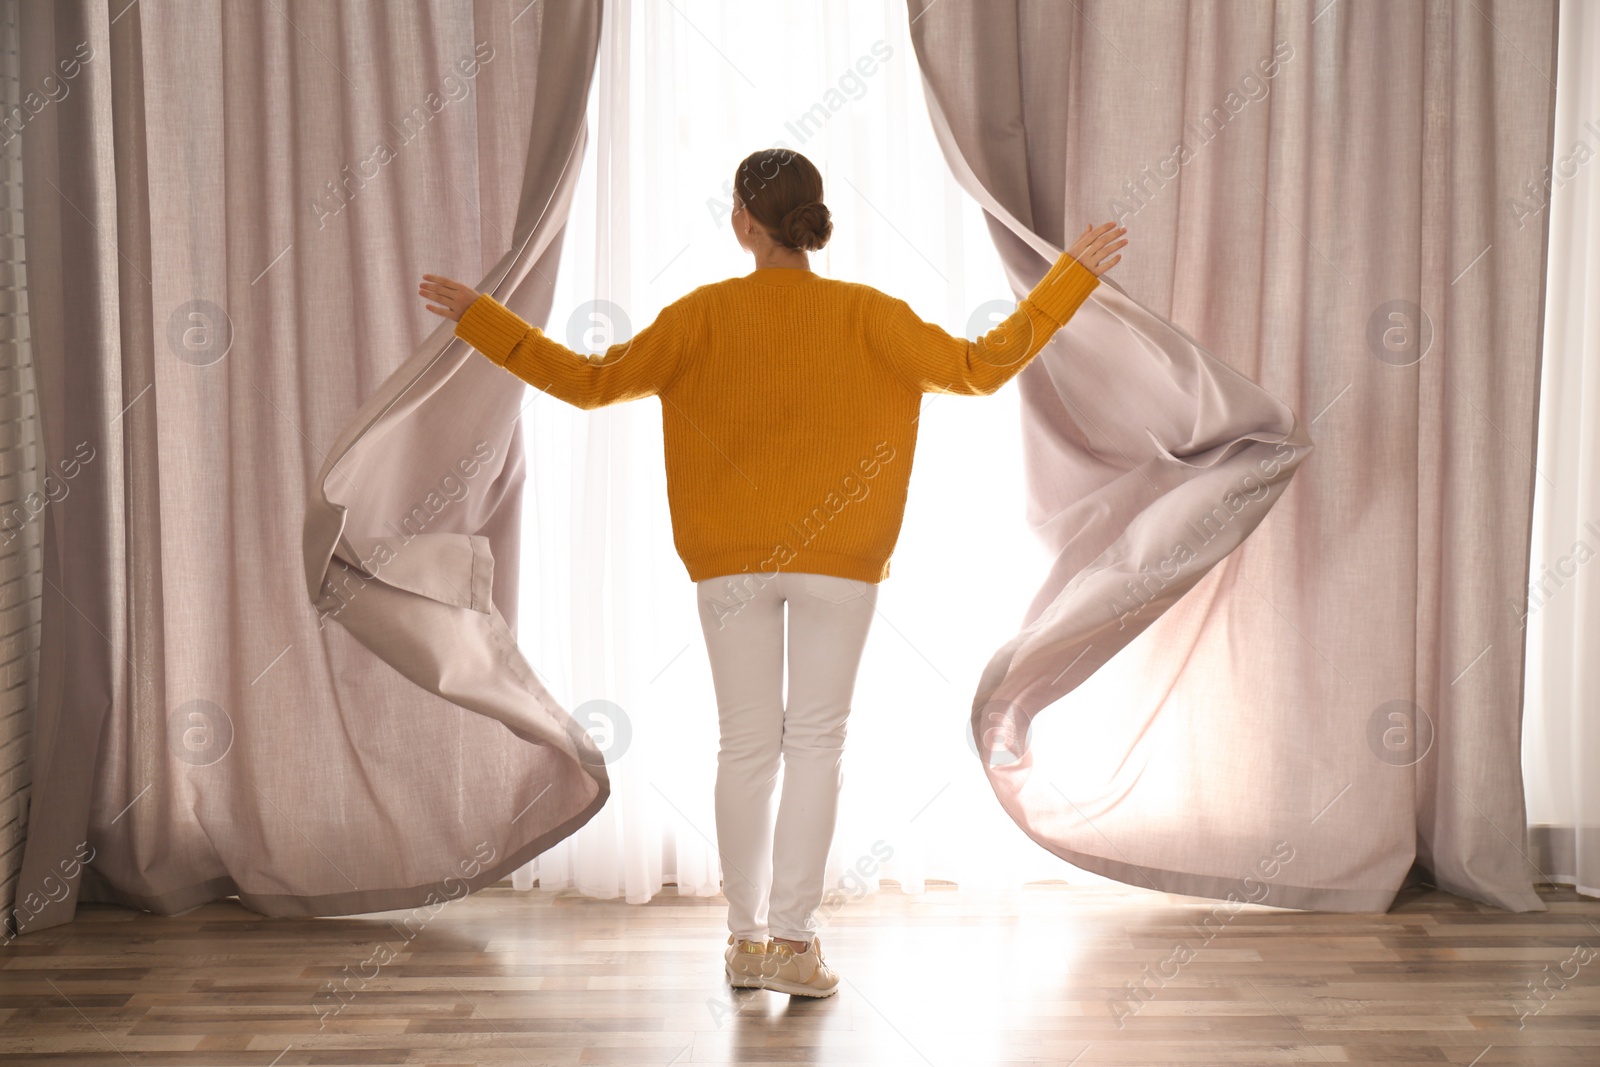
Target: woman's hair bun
column 807, row 226
column 782, row 191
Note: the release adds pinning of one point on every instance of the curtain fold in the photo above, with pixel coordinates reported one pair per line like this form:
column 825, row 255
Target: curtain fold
column 229, row 211
column 1339, row 695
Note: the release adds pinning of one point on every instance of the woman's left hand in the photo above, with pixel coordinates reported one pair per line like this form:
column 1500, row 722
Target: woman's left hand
column 1095, row 244
column 454, row 297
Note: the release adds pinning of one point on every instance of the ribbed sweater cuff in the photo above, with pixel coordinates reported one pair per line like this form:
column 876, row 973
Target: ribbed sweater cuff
column 491, row 328
column 1063, row 289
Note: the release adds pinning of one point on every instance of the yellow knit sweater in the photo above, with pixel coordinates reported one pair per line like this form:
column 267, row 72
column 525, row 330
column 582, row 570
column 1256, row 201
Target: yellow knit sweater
column 789, row 406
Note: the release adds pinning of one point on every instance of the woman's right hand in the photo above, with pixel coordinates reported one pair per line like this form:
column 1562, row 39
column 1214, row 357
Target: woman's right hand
column 454, row 297
column 1095, row 244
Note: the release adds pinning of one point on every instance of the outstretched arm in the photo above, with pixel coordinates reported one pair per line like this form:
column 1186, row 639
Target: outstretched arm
column 932, row 361
column 625, row 371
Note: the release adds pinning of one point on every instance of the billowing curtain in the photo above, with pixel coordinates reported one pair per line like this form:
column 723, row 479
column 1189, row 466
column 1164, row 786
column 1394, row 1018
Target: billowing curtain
column 1562, row 612
column 1320, row 195
column 278, row 657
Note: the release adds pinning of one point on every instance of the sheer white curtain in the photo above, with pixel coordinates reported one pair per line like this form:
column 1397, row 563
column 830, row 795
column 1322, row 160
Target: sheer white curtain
column 684, row 91
column 1561, row 713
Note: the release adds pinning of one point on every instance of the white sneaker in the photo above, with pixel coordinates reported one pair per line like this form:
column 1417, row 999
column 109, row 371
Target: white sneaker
column 744, row 962
column 802, row 974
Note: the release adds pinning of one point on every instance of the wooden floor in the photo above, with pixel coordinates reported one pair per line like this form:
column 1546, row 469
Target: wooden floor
column 952, row 979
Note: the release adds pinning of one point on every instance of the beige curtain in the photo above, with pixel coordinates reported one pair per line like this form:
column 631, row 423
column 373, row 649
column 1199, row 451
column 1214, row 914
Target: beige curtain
column 1323, row 194
column 278, row 658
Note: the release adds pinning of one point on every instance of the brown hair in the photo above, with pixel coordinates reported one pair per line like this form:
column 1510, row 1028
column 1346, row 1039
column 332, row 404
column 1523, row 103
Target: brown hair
column 782, row 190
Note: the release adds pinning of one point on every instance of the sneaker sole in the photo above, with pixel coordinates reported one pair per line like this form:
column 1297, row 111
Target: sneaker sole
column 797, row 990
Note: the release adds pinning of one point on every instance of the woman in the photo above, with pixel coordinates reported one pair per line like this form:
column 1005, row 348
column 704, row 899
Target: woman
column 789, row 417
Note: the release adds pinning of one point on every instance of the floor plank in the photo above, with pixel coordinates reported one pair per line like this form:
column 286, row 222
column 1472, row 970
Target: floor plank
column 1050, row 973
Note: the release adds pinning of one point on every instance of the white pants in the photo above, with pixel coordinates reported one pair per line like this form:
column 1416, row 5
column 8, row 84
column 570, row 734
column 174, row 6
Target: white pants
column 772, row 874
